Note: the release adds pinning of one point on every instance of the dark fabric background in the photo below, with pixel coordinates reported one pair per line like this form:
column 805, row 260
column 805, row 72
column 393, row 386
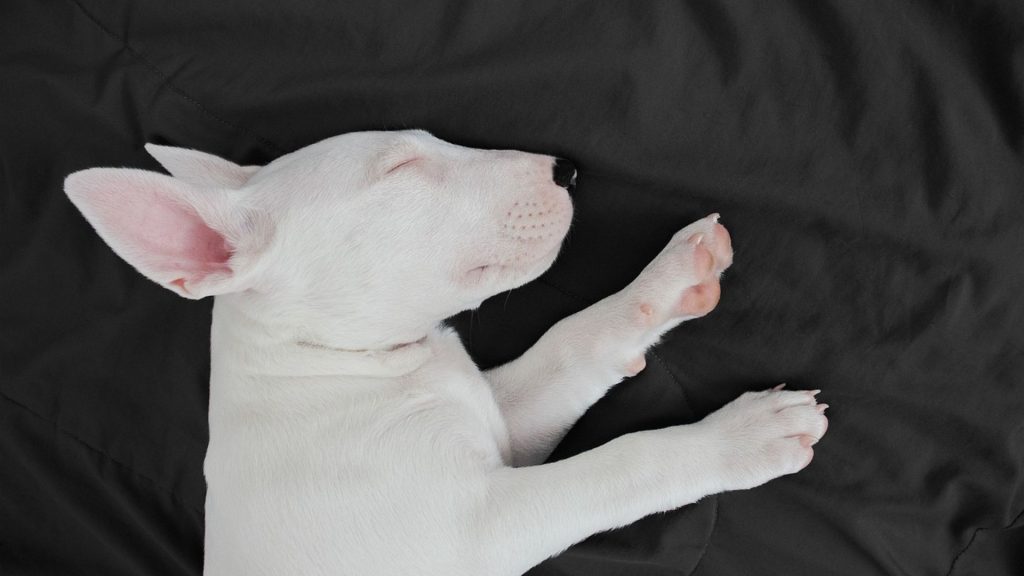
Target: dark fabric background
column 867, row 156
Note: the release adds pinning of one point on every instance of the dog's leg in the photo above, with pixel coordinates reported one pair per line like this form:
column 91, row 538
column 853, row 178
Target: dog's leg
column 538, row 511
column 543, row 392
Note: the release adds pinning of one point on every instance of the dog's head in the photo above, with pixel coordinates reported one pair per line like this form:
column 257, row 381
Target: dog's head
column 364, row 239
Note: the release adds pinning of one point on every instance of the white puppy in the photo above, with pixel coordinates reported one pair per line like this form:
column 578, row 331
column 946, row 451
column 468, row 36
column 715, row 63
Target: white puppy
column 350, row 433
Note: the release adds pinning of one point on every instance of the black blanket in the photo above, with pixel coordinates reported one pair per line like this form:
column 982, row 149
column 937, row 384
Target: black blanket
column 867, row 156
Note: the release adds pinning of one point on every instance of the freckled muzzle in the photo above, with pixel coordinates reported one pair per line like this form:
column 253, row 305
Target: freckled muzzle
column 537, row 225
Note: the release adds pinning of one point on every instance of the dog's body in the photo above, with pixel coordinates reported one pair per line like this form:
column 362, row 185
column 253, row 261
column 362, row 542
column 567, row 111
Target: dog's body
column 350, row 433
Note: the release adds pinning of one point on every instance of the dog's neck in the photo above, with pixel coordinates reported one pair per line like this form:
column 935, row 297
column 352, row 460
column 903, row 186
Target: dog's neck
column 267, row 350
column 387, row 362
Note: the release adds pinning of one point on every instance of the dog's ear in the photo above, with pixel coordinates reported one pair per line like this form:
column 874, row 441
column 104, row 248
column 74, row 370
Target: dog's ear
column 196, row 242
column 201, row 169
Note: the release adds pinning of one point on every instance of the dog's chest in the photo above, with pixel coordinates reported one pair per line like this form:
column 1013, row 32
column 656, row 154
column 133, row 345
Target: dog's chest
column 334, row 463
column 450, row 393
column 445, row 409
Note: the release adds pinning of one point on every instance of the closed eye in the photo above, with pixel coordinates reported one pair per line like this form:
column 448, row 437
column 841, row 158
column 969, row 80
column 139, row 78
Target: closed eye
column 401, row 164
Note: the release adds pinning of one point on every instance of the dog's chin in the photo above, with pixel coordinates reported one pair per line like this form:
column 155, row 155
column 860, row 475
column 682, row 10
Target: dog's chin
column 496, row 278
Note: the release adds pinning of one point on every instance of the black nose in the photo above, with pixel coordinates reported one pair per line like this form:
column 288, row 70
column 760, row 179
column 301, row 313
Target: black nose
column 564, row 174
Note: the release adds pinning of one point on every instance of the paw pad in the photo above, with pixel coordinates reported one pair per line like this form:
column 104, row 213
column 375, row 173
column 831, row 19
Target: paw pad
column 646, row 314
column 636, row 366
column 700, row 299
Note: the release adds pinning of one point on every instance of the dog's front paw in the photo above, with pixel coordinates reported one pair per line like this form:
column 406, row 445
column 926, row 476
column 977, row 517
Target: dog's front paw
column 682, row 281
column 764, row 435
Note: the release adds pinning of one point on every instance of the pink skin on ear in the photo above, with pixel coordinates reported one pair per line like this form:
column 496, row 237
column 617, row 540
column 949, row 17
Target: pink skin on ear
column 178, row 239
column 149, row 219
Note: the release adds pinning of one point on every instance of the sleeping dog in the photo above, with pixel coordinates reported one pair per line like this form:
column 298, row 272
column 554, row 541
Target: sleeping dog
column 350, row 432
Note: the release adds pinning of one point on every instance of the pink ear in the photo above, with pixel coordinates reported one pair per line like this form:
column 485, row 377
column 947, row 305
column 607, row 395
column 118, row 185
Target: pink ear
column 159, row 225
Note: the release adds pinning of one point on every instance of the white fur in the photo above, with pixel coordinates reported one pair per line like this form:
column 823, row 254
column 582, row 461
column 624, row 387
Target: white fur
column 350, row 433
